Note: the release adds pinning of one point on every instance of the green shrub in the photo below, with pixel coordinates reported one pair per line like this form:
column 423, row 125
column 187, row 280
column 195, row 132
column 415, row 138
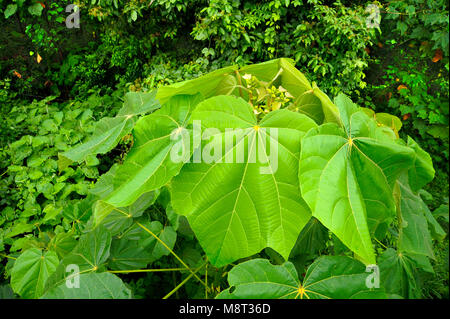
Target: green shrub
column 33, row 193
column 119, row 37
column 327, row 41
column 410, row 78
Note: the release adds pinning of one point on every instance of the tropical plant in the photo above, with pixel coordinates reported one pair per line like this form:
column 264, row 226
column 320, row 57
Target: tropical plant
column 332, row 165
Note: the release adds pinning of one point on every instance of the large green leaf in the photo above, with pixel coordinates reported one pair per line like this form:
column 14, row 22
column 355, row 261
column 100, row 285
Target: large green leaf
column 110, row 130
column 79, row 211
column 126, row 255
column 149, row 165
column 422, row 172
column 31, row 270
column 309, row 99
column 94, row 246
column 347, row 174
column 92, row 286
column 398, row 273
column 414, row 236
column 105, row 184
column 392, row 123
column 247, row 203
column 90, row 255
column 329, row 277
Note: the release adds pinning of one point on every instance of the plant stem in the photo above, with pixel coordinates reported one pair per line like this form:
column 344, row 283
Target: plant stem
column 171, row 251
column 145, row 270
column 206, row 281
column 183, row 282
column 383, row 245
column 240, row 82
column 164, row 244
column 6, row 256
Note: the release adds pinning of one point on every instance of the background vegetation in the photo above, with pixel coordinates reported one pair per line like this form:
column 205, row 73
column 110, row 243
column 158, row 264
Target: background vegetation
column 55, row 83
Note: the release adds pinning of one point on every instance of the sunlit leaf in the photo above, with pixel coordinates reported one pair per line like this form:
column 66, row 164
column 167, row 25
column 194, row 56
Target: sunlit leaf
column 329, row 277
column 347, row 174
column 247, row 204
column 148, row 165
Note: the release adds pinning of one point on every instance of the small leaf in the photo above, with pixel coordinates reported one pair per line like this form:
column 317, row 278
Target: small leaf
column 247, row 204
column 401, row 87
column 19, row 228
column 17, row 74
column 437, row 55
column 134, row 15
column 10, row 10
column 35, row 9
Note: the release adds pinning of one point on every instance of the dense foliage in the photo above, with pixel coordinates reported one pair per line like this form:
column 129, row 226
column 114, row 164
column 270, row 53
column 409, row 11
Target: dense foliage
column 87, row 120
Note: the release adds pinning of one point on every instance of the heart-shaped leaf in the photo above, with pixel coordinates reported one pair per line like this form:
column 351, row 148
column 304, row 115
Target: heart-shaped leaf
column 248, row 201
column 347, row 174
column 148, row 165
column 399, row 273
column 31, row 270
column 329, row 277
column 414, row 236
column 90, row 255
